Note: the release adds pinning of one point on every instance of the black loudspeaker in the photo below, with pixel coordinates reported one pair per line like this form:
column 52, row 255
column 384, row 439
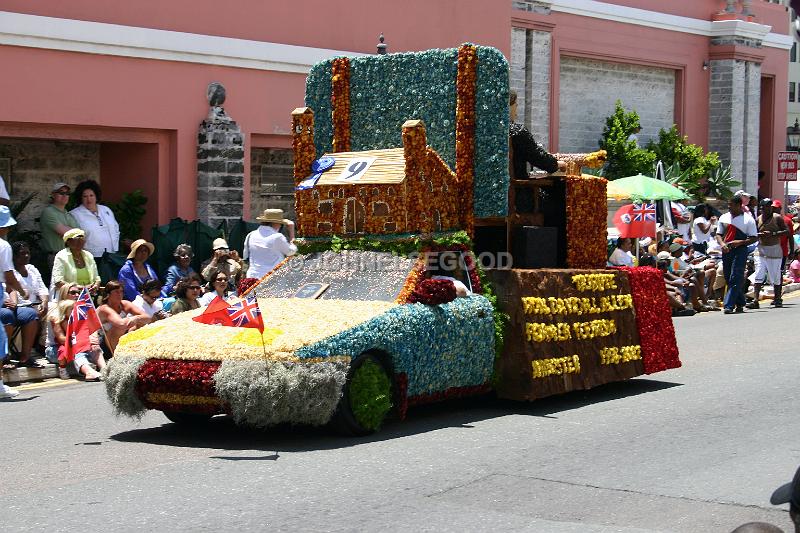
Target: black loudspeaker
column 535, row 247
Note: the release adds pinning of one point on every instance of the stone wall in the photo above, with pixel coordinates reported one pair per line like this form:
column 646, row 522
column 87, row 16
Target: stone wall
column 271, row 181
column 37, row 164
column 531, row 54
column 220, row 170
column 589, row 89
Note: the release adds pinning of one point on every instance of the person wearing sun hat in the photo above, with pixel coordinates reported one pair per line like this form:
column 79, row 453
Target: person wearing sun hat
column 266, row 246
column 136, row 269
column 7, row 279
column 224, row 260
column 55, row 220
column 73, row 264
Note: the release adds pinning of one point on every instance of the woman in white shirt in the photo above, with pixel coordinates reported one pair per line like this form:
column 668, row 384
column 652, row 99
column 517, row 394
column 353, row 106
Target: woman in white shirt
column 701, row 228
column 149, row 300
column 621, row 256
column 98, row 221
column 265, row 247
column 29, row 278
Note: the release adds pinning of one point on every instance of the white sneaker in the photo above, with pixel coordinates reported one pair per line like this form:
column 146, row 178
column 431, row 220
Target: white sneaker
column 7, row 392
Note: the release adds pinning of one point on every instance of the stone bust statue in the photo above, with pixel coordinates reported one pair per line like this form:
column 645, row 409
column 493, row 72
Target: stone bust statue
column 216, row 97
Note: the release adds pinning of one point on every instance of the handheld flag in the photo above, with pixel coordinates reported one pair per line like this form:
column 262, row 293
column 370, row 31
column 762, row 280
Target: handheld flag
column 215, row 314
column 636, row 220
column 83, row 321
column 246, row 314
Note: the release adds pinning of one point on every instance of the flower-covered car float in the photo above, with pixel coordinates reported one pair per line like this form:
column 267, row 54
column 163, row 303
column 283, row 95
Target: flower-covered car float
column 401, row 162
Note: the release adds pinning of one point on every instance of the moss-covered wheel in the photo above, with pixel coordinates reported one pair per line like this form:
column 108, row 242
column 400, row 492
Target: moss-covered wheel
column 187, row 419
column 366, row 399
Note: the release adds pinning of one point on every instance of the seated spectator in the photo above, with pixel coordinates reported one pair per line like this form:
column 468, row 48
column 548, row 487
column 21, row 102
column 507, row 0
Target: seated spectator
column 136, row 269
column 679, row 290
column 681, row 251
column 181, row 268
column 31, row 280
column 224, row 260
column 794, row 267
column 68, row 291
column 187, row 292
column 73, row 264
column 218, row 287
column 118, row 316
column 57, row 318
column 621, row 256
column 14, row 315
column 149, row 300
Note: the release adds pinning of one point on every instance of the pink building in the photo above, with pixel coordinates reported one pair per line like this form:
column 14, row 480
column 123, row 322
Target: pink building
column 118, row 93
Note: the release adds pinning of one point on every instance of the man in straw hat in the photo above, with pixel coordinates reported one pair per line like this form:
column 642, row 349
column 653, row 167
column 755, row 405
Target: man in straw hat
column 7, row 277
column 267, row 246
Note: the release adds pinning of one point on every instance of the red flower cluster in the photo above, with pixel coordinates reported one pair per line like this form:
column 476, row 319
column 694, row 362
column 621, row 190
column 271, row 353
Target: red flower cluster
column 466, row 83
column 245, row 284
column 469, row 261
column 586, row 222
column 191, row 379
column 433, row 292
column 340, row 102
column 653, row 319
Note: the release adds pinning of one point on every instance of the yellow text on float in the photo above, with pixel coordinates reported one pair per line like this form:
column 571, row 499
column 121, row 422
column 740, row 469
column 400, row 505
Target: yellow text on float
column 614, row 355
column 594, row 282
column 594, row 328
column 539, row 332
column 556, row 366
column 593, row 305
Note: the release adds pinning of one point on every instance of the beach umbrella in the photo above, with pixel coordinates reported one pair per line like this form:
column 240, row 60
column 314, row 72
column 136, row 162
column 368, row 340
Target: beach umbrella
column 640, row 187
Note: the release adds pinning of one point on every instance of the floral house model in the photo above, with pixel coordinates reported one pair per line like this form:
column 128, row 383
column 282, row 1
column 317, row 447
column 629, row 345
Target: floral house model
column 400, row 161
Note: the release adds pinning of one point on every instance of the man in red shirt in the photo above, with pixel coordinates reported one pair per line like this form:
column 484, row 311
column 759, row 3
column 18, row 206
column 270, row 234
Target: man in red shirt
column 787, row 241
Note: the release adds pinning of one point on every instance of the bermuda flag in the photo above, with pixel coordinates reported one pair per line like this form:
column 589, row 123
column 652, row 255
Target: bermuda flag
column 82, row 322
column 216, row 314
column 246, row 314
column 636, row 220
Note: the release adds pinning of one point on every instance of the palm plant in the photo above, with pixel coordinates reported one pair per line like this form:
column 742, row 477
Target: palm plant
column 720, row 183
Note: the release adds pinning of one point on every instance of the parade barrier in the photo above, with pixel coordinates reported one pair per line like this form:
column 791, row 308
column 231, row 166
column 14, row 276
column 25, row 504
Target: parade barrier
column 399, row 161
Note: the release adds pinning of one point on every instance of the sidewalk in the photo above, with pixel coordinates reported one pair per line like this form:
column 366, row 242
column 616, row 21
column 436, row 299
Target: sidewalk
column 23, row 375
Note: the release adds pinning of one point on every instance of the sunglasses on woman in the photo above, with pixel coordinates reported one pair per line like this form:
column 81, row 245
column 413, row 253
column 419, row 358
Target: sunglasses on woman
column 195, row 287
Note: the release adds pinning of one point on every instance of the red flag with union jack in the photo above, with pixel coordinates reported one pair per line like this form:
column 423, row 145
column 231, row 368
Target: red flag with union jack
column 216, row 314
column 636, row 220
column 246, row 314
column 83, row 321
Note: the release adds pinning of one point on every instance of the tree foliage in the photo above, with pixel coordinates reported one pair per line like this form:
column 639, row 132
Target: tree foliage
column 625, row 158
column 687, row 166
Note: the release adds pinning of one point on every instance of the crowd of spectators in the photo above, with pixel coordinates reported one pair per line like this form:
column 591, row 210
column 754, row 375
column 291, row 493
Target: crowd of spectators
column 76, row 243
column 711, row 263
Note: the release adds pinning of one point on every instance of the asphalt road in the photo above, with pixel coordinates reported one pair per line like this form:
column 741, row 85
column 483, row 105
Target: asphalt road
column 695, row 449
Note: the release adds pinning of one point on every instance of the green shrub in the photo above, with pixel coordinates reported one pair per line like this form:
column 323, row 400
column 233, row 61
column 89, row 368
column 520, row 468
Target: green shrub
column 624, row 157
column 129, row 212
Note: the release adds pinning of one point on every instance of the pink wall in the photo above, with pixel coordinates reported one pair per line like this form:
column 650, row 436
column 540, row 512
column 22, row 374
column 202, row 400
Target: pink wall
column 352, row 25
column 641, row 45
column 84, row 95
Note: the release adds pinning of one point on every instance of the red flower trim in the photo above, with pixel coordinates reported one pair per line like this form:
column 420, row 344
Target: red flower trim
column 653, row 319
column 189, row 378
column 433, row 292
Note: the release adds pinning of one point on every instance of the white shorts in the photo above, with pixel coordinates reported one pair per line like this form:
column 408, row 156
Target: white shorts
column 768, row 266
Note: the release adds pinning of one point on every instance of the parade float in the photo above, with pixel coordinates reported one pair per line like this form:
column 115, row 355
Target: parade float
column 401, row 164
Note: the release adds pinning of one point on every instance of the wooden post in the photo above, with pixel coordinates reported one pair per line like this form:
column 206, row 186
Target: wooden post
column 415, row 143
column 303, row 143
